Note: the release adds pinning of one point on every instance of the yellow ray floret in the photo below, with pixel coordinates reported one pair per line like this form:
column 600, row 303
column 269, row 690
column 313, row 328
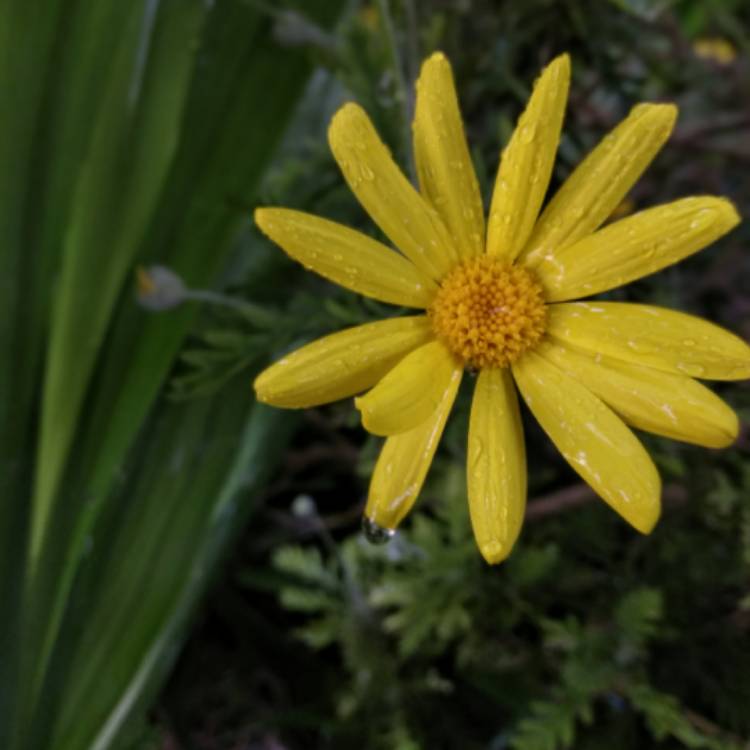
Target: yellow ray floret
column 342, row 364
column 601, row 181
column 348, row 258
column 526, row 163
column 496, row 465
column 634, row 247
column 652, row 336
column 409, row 221
column 674, row 406
column 446, row 175
column 403, row 463
column 411, row 392
column 593, row 440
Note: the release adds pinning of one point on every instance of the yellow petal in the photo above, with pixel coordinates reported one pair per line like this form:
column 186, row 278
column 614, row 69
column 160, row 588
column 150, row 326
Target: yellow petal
column 526, row 163
column 446, row 174
column 410, row 392
column 635, row 247
column 341, row 364
column 601, row 181
column 346, row 257
column 653, row 337
column 496, row 465
column 675, row 406
column 403, row 464
column 593, row 440
column 395, row 206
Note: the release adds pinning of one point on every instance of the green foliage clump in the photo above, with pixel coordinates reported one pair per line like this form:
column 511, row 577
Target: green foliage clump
column 567, row 655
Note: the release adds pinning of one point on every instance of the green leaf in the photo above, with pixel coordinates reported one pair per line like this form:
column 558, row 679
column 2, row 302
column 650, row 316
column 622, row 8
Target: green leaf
column 134, row 141
column 530, row 565
column 639, row 613
column 665, row 718
column 132, row 131
column 185, row 500
column 550, row 726
column 132, row 145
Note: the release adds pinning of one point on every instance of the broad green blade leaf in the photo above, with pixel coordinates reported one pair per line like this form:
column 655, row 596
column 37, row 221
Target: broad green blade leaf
column 226, row 142
column 137, row 130
column 153, row 157
column 27, row 41
column 135, row 136
column 180, row 508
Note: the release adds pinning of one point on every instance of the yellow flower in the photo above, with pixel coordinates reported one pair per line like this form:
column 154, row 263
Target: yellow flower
column 498, row 300
column 715, row 49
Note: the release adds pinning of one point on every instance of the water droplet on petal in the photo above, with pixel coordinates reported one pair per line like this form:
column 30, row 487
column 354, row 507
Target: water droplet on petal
column 527, row 133
column 692, row 369
column 374, row 533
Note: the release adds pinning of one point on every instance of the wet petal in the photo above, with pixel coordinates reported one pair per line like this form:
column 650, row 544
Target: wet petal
column 635, row 247
column 593, row 440
column 446, row 174
column 395, row 206
column 653, row 337
column 496, row 466
column 410, row 392
column 526, row 163
column 403, row 464
column 342, row 364
column 346, row 257
column 601, row 181
column 674, row 406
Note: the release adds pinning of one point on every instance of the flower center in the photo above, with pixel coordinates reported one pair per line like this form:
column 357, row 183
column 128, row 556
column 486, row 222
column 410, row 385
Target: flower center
column 488, row 313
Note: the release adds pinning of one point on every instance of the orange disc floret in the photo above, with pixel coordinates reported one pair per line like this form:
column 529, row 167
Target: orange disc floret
column 488, row 313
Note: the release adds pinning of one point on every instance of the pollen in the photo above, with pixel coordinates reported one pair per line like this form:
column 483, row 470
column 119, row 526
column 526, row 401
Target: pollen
column 488, row 313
